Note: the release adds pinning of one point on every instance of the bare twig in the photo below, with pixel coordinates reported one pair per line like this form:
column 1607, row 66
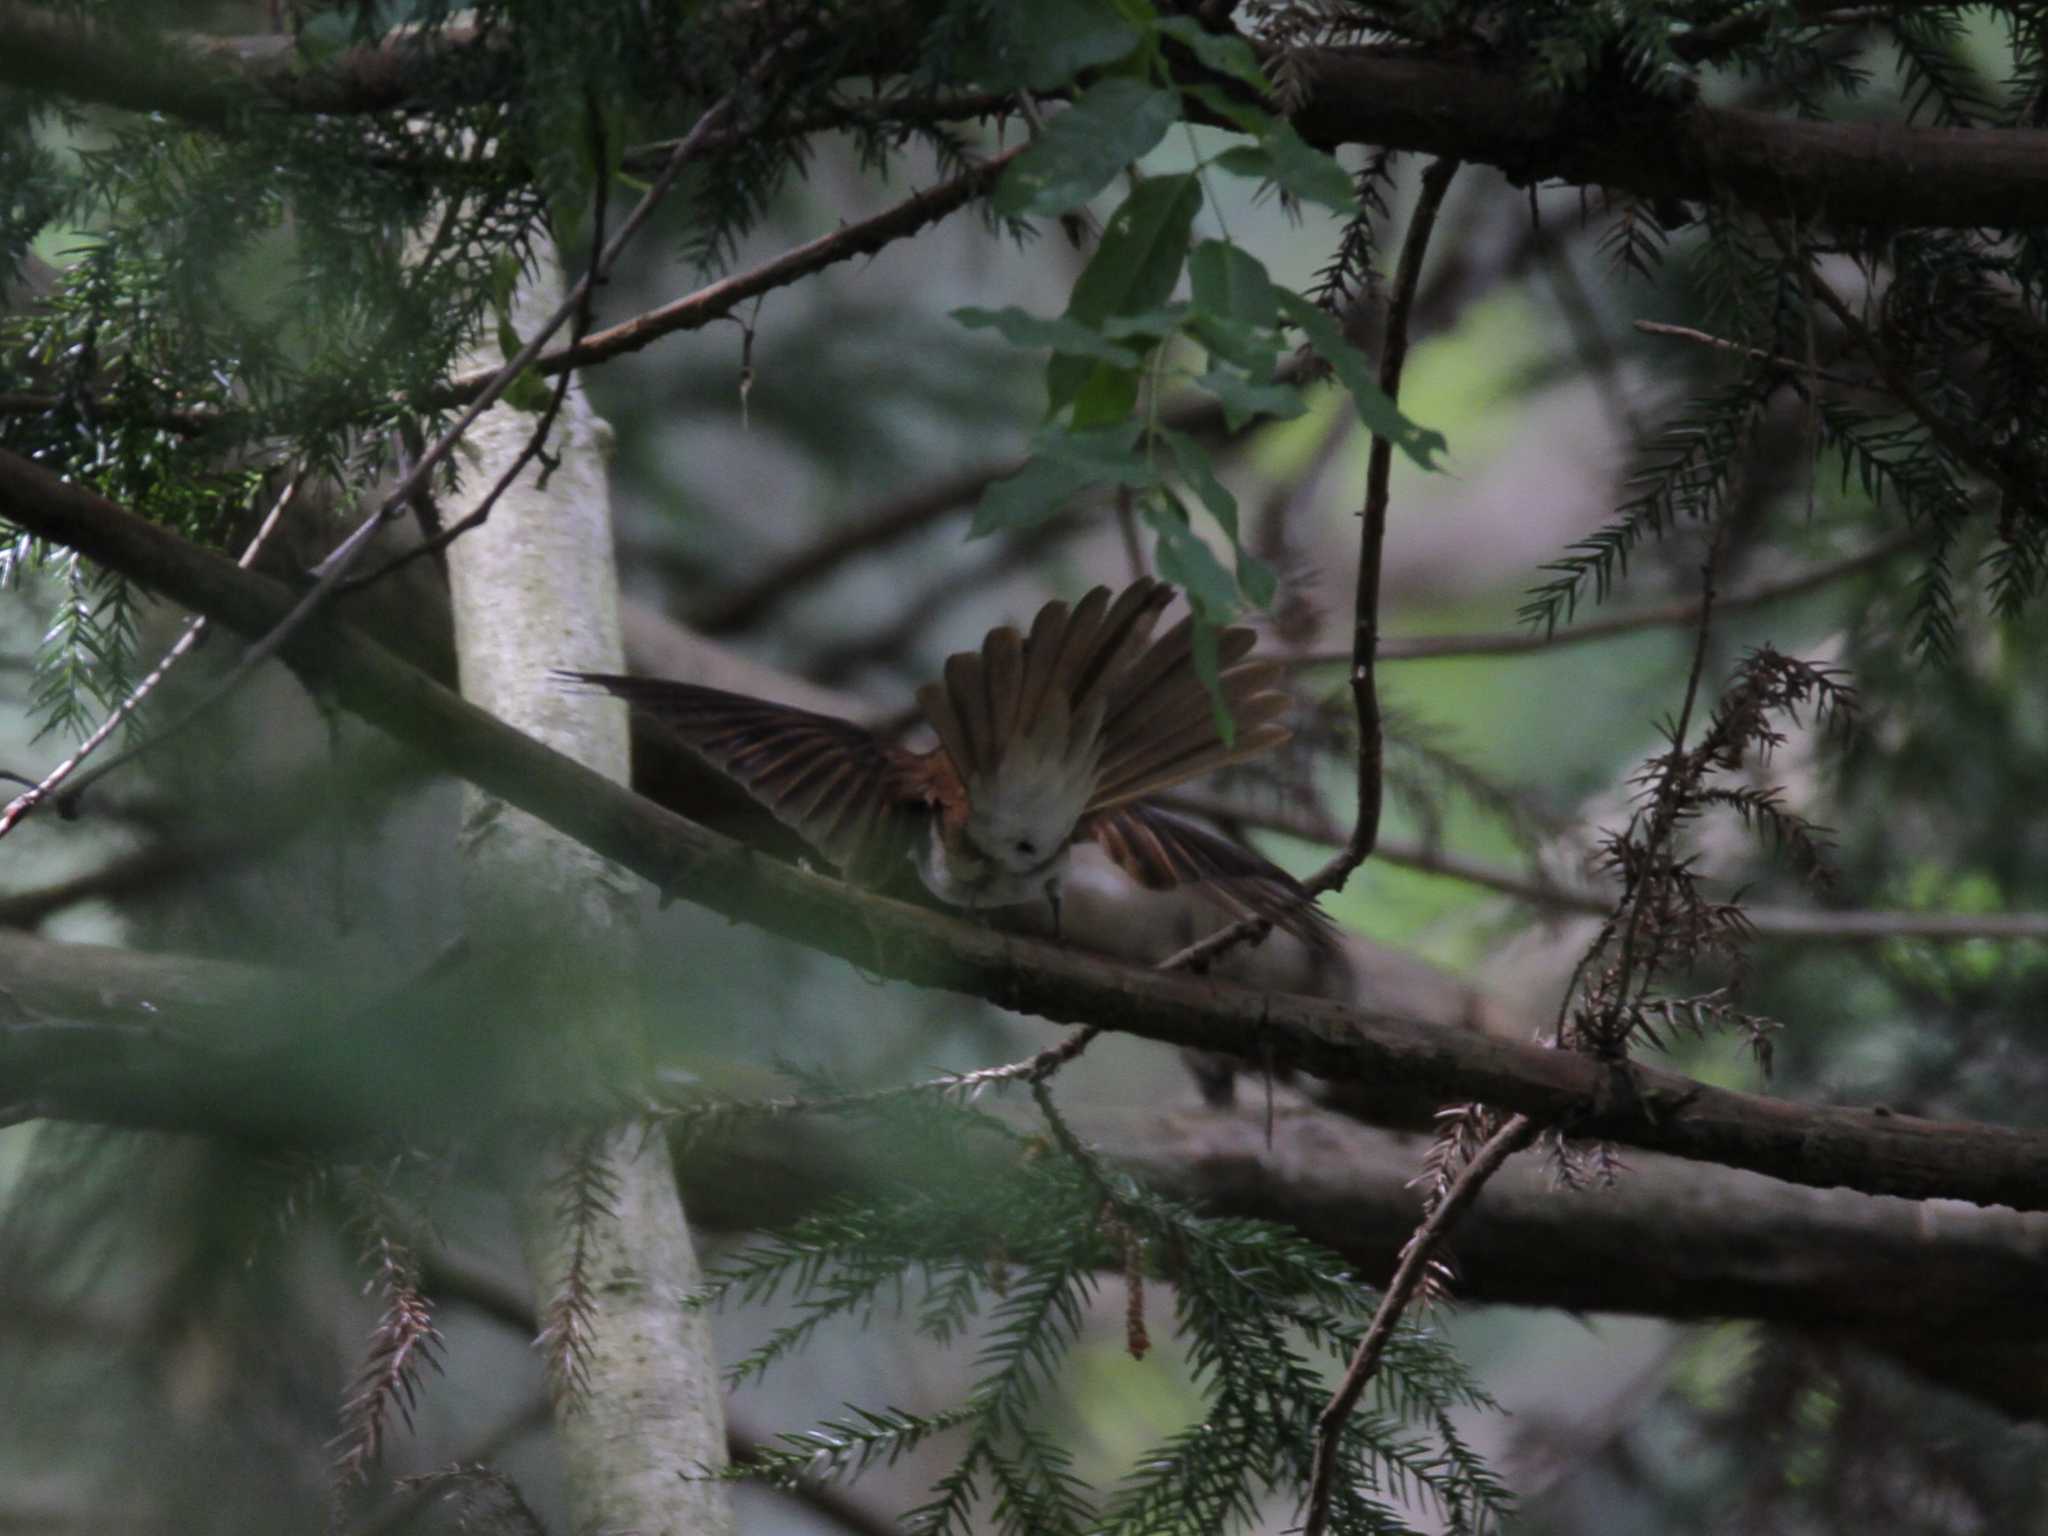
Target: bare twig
column 1755, row 354
column 1436, row 181
column 23, row 803
column 716, row 300
column 1684, row 611
column 1408, row 1277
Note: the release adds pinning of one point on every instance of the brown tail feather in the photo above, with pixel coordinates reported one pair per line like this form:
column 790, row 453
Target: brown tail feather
column 988, row 698
column 1002, row 674
column 1183, row 700
column 1103, row 637
column 1174, row 652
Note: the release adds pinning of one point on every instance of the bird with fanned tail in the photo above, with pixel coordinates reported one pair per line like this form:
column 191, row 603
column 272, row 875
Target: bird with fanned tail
column 1046, row 739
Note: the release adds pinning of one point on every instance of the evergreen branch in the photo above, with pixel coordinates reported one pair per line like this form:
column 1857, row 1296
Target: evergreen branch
column 54, row 780
column 404, row 1341
column 1694, row 462
column 1408, row 1277
column 843, row 1447
column 1679, row 612
column 1957, row 443
column 334, row 570
column 586, row 1191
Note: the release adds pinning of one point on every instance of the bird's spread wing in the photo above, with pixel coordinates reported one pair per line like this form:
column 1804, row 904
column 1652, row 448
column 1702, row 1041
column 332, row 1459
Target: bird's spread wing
column 1160, row 729
column 1162, row 850
column 854, row 799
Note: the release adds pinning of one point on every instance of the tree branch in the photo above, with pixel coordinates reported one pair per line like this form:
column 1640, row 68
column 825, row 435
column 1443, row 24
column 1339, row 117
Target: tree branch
column 1679, row 612
column 1873, row 1149
column 1417, row 1255
column 1882, row 173
column 166, row 1042
column 716, row 300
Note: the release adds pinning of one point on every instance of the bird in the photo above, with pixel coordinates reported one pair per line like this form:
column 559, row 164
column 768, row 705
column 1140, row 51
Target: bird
column 1045, row 739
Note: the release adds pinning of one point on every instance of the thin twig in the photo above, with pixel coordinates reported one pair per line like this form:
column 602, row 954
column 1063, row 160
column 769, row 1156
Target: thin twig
column 1408, row 1277
column 715, row 300
column 1755, row 354
column 1436, row 181
column 1683, row 611
column 27, row 801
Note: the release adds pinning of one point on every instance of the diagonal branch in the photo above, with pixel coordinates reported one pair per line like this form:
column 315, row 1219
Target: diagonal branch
column 1873, row 1150
column 1416, row 1259
column 716, row 300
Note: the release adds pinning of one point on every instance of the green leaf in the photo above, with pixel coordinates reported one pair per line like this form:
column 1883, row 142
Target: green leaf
column 1291, row 163
column 1380, row 415
column 1256, row 350
column 1189, row 563
column 1243, row 399
column 1046, row 44
column 1134, row 268
column 1311, row 174
column 1080, row 152
column 1231, row 283
column 1153, row 324
column 1255, row 579
column 1106, row 396
column 1059, row 333
column 529, row 392
column 1192, row 460
column 1224, row 52
column 1208, row 667
column 1258, row 580
column 1063, row 465
column 1242, row 115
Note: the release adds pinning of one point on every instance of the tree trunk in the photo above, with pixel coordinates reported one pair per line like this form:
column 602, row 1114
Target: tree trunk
column 552, row 926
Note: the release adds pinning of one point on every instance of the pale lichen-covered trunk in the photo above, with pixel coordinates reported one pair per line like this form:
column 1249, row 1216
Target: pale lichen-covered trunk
column 534, row 589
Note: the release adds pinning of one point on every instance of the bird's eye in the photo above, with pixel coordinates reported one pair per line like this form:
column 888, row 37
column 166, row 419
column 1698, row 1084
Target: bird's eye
column 1026, row 847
